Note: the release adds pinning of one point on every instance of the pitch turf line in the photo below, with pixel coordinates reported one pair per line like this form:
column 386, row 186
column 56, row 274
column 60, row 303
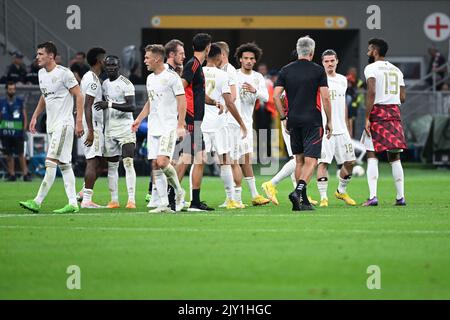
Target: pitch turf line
column 150, row 229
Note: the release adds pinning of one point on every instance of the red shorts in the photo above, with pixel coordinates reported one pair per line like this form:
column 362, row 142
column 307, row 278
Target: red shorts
column 386, row 128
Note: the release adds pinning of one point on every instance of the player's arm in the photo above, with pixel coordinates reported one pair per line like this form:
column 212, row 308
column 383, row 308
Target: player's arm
column 277, row 92
column 262, row 94
column 234, row 112
column 182, row 105
column 233, row 92
column 370, row 100
column 76, row 93
column 325, row 95
column 142, row 115
column 37, row 112
column 128, row 106
column 88, row 102
column 402, row 94
column 25, row 118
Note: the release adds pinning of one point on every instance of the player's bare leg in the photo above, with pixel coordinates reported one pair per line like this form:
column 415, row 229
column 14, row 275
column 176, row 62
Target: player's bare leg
column 399, row 178
column 196, row 178
column 90, row 176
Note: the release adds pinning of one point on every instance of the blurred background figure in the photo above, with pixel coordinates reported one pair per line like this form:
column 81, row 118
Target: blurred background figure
column 32, row 75
column 16, row 72
column 79, row 66
column 436, row 64
column 354, row 99
column 13, row 123
column 264, row 114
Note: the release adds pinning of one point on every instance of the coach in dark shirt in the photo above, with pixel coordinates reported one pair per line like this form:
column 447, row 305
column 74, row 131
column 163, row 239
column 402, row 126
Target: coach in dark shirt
column 305, row 83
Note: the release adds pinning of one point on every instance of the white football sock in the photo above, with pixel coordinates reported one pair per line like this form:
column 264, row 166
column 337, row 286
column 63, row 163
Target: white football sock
column 238, row 194
column 172, row 177
column 342, row 187
column 161, row 186
column 286, row 171
column 227, row 177
column 251, row 182
column 190, row 181
column 87, row 195
column 399, row 179
column 82, row 188
column 323, row 189
column 113, row 180
column 130, row 177
column 372, row 176
column 46, row 184
column 69, row 183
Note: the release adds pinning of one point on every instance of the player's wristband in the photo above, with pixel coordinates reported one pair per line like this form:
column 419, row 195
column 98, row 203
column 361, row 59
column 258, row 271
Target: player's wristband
column 109, row 104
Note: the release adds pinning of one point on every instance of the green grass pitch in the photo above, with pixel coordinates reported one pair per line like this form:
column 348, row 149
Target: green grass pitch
column 256, row 253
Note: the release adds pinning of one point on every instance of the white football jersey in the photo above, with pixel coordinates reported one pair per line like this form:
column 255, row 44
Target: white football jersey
column 162, row 90
column 388, row 80
column 248, row 99
column 232, row 80
column 91, row 86
column 216, row 85
column 337, row 86
column 118, row 122
column 59, row 103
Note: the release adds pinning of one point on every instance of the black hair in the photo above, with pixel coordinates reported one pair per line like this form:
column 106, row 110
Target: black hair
column 215, row 51
column 381, row 46
column 93, row 55
column 81, row 53
column 201, row 41
column 49, row 48
column 248, row 47
column 9, row 83
column 329, row 52
column 114, row 58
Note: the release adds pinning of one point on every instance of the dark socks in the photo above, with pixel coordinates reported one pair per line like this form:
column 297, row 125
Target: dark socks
column 301, row 191
column 196, row 196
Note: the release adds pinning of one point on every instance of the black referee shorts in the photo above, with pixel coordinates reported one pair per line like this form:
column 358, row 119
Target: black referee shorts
column 307, row 140
column 193, row 141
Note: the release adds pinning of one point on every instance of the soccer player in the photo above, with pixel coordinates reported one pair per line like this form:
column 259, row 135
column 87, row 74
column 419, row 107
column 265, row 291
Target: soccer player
column 119, row 139
column 174, row 61
column 234, row 131
column 58, row 86
column 303, row 81
column 166, row 111
column 383, row 129
column 339, row 145
column 92, row 124
column 193, row 145
column 215, row 123
column 251, row 86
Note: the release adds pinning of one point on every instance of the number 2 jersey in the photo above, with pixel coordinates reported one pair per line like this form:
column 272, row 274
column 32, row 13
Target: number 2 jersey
column 118, row 123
